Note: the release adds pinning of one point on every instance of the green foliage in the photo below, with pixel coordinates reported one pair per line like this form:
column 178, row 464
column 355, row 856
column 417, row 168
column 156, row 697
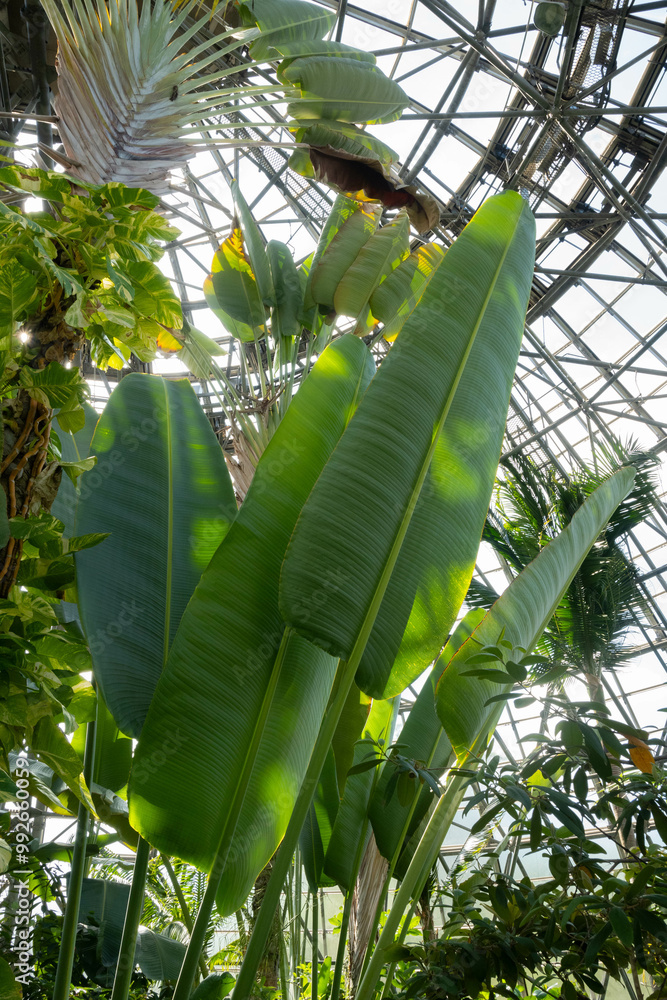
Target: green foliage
column 604, row 600
column 519, row 617
column 88, row 264
column 41, row 660
column 599, row 913
column 293, row 20
column 153, row 491
column 559, row 936
column 90, row 976
column 430, row 528
column 247, row 693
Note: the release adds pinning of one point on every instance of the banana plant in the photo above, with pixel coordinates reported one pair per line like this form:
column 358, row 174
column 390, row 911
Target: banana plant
column 424, row 412
column 249, row 673
column 260, row 691
column 182, row 498
column 354, row 263
column 262, row 298
column 399, row 823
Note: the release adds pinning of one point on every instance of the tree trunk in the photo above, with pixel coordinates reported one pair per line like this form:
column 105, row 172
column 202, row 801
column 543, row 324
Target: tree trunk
column 30, row 483
column 426, row 915
column 372, row 875
column 269, row 968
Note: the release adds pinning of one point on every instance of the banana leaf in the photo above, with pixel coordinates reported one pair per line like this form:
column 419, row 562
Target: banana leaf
column 341, row 250
column 353, row 719
column 343, row 89
column 245, row 701
column 103, row 905
column 232, row 292
column 254, row 241
column 74, row 448
column 288, row 293
column 424, row 405
column 162, row 490
column 351, row 825
column 294, row 50
column 316, row 834
column 520, row 615
column 425, row 742
column 113, row 750
column 461, row 701
column 288, row 21
column 394, row 300
column 383, row 252
column 347, row 140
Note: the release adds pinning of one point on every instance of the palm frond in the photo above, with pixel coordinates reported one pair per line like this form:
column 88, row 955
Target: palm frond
column 480, row 596
column 590, row 626
column 125, row 79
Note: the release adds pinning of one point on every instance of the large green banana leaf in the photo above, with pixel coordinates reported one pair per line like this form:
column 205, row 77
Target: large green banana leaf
column 284, row 22
column 346, row 140
column 522, row 611
column 341, row 249
column 162, row 490
column 351, row 826
column 75, row 447
column 437, row 558
column 424, row 743
column 383, row 252
column 344, row 90
column 475, row 303
column 103, row 905
column 316, row 834
column 213, row 696
column 294, row 50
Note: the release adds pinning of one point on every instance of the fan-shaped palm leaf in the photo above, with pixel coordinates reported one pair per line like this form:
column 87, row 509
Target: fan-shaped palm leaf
column 125, row 87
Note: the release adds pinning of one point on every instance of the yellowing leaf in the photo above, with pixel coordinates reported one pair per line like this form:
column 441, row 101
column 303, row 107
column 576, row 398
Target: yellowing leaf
column 120, row 356
column 167, row 342
column 641, row 756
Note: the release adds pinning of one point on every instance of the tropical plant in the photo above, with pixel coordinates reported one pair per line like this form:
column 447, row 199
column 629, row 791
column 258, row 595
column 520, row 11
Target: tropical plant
column 357, row 271
column 605, row 599
column 597, row 915
column 135, row 83
column 228, row 665
column 85, row 269
column 257, row 538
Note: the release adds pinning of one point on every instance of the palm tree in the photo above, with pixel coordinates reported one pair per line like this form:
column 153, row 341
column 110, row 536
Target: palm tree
column 604, row 600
